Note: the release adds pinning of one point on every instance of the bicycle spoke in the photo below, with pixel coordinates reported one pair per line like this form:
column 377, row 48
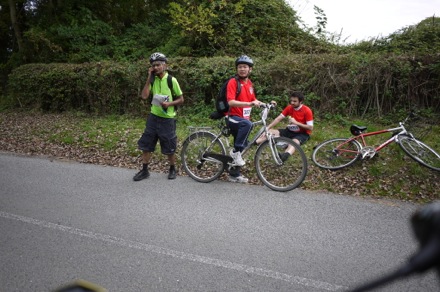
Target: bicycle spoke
column 336, row 154
column 420, row 152
column 285, row 177
column 194, row 157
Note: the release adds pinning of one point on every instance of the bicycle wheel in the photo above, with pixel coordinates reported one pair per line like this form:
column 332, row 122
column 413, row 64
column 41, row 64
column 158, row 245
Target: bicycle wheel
column 194, row 160
column 420, row 152
column 336, row 153
column 287, row 176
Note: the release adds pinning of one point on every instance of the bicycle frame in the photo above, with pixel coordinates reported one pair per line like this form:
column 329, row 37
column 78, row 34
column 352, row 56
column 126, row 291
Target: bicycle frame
column 401, row 130
column 205, row 157
column 263, row 129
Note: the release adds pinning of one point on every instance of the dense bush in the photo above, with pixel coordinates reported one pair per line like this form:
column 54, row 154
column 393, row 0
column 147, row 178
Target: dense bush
column 349, row 84
column 102, row 87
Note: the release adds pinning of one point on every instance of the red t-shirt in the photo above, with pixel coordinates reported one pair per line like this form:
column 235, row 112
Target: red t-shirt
column 247, row 94
column 303, row 115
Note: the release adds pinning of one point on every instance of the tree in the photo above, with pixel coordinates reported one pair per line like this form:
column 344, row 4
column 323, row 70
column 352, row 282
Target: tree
column 15, row 24
column 231, row 27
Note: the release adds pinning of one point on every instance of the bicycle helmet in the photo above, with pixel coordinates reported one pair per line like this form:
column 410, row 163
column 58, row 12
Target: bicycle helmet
column 158, row 57
column 243, row 59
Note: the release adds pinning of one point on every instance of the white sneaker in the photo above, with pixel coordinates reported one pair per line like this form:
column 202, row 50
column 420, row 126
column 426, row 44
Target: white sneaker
column 238, row 179
column 238, row 160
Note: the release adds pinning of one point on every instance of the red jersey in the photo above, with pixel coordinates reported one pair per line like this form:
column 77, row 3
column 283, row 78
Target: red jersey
column 247, row 94
column 304, row 115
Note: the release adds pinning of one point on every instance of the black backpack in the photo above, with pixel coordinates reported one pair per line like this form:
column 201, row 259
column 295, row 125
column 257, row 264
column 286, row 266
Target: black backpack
column 221, row 104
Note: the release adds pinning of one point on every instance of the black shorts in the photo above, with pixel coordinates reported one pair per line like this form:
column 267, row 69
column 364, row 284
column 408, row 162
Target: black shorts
column 162, row 129
column 301, row 137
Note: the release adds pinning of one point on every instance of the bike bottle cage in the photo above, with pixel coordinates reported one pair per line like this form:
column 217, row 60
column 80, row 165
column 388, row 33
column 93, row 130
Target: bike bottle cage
column 357, row 130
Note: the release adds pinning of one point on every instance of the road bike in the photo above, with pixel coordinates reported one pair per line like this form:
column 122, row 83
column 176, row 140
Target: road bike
column 338, row 153
column 204, row 156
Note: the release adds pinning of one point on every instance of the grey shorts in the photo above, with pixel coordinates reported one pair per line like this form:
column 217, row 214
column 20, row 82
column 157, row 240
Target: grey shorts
column 301, row 137
column 162, row 130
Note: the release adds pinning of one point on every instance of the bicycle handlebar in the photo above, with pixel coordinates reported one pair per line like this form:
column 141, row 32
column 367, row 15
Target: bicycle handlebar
column 268, row 105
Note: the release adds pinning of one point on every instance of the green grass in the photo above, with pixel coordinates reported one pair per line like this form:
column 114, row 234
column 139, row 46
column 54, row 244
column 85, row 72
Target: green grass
column 389, row 174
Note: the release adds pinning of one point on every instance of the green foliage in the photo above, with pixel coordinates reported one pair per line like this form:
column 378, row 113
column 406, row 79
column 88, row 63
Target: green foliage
column 335, row 85
column 100, row 87
column 420, row 39
column 222, row 27
column 376, row 77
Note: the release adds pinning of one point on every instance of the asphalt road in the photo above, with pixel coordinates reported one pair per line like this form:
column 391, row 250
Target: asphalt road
column 61, row 221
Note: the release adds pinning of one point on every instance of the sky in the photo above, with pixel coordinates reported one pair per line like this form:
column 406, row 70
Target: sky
column 365, row 19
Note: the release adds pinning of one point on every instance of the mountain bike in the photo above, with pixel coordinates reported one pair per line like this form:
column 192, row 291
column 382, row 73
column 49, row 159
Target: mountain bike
column 204, row 156
column 338, row 153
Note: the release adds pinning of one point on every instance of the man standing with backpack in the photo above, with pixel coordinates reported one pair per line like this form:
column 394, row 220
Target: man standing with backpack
column 161, row 123
column 239, row 113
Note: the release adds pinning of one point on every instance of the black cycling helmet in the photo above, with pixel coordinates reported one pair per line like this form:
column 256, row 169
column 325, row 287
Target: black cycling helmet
column 243, row 59
column 158, row 57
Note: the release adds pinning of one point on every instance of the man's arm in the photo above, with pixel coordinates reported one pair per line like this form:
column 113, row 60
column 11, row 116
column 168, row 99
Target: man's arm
column 177, row 101
column 146, row 90
column 276, row 121
column 301, row 125
column 236, row 103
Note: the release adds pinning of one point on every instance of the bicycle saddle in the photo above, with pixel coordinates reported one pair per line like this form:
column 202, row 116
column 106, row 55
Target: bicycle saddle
column 357, row 130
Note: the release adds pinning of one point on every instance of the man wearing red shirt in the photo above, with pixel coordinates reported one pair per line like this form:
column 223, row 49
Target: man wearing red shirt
column 240, row 109
column 300, row 124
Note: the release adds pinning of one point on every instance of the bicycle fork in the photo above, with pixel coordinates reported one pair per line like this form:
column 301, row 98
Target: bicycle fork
column 274, row 150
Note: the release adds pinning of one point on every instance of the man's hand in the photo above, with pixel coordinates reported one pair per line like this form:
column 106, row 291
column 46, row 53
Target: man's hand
column 292, row 121
column 256, row 103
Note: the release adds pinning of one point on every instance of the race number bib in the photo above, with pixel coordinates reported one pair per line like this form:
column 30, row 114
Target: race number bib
column 293, row 128
column 247, row 112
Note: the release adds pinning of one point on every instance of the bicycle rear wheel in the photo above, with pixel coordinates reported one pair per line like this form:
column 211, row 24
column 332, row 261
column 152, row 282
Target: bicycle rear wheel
column 194, row 160
column 285, row 177
column 420, row 152
column 336, row 153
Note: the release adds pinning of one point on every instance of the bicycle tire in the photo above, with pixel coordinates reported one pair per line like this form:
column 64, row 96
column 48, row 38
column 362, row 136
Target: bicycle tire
column 195, row 165
column 420, row 152
column 285, row 177
column 336, row 153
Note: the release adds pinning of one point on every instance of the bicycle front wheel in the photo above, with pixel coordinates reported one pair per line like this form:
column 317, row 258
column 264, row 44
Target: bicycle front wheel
column 420, row 152
column 287, row 176
column 336, row 153
column 196, row 163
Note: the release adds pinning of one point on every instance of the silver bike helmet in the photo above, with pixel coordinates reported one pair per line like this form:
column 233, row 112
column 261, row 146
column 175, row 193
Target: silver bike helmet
column 158, row 57
column 243, row 59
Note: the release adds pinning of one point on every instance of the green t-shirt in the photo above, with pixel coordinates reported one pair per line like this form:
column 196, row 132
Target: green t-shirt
column 160, row 86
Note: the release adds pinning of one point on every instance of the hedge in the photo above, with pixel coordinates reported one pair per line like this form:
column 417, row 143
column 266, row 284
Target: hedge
column 352, row 84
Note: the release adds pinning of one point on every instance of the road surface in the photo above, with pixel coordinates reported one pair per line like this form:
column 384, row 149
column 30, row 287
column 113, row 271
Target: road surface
column 61, row 221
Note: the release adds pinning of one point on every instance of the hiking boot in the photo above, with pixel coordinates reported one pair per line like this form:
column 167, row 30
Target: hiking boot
column 143, row 174
column 238, row 160
column 238, row 179
column 284, row 156
column 172, row 173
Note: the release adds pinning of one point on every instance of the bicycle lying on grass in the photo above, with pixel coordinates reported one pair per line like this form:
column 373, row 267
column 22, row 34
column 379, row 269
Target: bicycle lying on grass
column 204, row 156
column 338, row 153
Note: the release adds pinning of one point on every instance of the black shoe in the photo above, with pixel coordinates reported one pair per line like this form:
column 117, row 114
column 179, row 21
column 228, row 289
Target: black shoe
column 172, row 174
column 284, row 156
column 143, row 174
